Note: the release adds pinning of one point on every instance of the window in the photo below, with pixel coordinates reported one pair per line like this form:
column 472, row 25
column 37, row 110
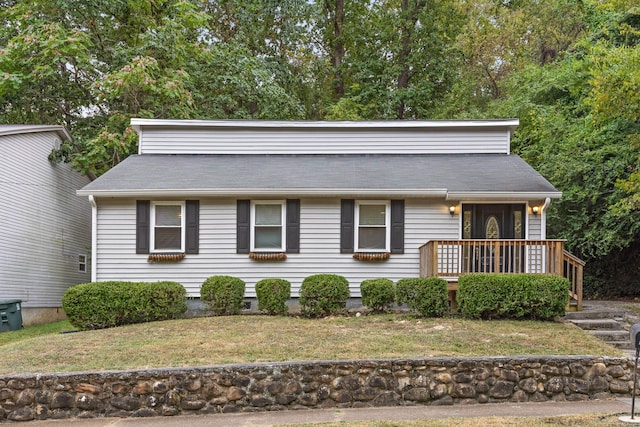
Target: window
column 82, row 263
column 268, row 226
column 267, row 223
column 372, row 225
column 167, row 225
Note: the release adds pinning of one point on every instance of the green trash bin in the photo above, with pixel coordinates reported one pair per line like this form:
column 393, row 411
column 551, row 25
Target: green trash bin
column 10, row 315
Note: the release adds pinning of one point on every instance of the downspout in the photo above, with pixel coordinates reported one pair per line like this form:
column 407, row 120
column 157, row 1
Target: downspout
column 94, row 237
column 543, row 219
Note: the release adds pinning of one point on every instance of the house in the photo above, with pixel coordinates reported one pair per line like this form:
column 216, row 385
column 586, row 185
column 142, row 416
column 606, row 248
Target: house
column 258, row 199
column 46, row 228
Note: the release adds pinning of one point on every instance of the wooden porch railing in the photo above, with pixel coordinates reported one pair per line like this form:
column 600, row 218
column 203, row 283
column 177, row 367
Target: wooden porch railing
column 449, row 259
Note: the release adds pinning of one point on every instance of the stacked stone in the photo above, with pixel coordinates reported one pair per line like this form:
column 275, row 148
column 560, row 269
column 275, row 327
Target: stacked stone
column 320, row 384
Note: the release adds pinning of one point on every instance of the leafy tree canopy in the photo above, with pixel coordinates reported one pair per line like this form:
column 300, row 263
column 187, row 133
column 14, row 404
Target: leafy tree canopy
column 568, row 69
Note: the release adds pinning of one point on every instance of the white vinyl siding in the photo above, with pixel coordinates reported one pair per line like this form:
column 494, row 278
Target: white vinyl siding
column 319, row 246
column 45, row 225
column 534, row 231
column 186, row 140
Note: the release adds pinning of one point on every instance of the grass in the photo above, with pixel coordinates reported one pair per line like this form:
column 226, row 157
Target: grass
column 256, row 338
column 34, row 331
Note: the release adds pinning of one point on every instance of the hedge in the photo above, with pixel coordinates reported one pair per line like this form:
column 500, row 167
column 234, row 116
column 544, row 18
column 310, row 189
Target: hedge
column 223, row 294
column 427, row 296
column 323, row 295
column 512, row 296
column 99, row 305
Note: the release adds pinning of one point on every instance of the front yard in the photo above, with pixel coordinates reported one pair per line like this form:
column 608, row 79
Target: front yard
column 257, row 338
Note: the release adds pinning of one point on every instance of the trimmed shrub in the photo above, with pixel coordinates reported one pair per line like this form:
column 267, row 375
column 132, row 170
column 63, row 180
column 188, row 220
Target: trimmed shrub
column 426, row 296
column 272, row 295
column 323, row 294
column 512, row 296
column 223, row 294
column 377, row 294
column 99, row 305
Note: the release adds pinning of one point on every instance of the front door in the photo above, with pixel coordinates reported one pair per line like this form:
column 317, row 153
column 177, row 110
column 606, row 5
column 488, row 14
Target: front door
column 494, row 222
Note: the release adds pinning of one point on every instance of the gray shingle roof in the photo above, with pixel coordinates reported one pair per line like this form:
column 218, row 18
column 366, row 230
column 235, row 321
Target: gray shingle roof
column 409, row 175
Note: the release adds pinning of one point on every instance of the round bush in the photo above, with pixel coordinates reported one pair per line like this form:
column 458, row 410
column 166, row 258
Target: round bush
column 426, row 296
column 377, row 294
column 100, row 305
column 223, row 294
column 272, row 295
column 323, row 295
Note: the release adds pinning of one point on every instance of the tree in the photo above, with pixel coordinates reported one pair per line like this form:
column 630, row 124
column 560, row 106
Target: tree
column 579, row 128
column 94, row 66
column 397, row 60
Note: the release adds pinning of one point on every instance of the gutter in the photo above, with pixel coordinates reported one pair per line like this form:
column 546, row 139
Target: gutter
column 502, row 195
column 323, row 192
column 543, row 219
column 94, row 237
column 267, row 192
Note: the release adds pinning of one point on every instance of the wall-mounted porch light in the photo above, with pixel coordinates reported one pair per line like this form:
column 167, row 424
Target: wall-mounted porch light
column 452, row 210
column 535, row 210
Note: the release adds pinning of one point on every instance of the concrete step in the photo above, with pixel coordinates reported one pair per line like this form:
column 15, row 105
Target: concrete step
column 612, row 336
column 585, row 315
column 621, row 345
column 596, row 324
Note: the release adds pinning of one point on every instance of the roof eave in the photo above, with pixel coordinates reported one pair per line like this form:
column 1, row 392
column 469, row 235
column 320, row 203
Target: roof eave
column 502, row 195
column 62, row 132
column 138, row 123
column 324, row 192
column 265, row 192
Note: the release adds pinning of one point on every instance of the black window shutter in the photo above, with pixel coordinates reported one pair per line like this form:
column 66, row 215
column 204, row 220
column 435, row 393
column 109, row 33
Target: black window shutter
column 293, row 226
column 243, row 227
column 397, row 226
column 143, row 224
column 347, row 218
column 192, row 223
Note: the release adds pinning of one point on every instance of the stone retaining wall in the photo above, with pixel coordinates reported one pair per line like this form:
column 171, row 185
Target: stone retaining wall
column 317, row 384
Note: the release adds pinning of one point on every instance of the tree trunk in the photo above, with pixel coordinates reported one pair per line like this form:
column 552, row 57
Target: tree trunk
column 409, row 17
column 336, row 13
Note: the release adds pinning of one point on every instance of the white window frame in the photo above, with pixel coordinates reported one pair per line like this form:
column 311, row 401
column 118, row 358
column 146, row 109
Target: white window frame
column 283, row 228
column 152, row 239
column 387, row 219
column 83, row 263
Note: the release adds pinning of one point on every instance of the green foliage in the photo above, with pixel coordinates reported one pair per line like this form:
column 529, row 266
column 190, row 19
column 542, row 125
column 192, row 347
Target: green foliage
column 323, row 295
column 512, row 296
column 100, row 305
column 579, row 127
column 426, row 296
column 377, row 294
column 272, row 295
column 568, row 69
column 223, row 294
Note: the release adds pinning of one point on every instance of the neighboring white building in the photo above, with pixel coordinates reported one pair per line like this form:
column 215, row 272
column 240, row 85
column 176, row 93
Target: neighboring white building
column 46, row 228
column 258, row 199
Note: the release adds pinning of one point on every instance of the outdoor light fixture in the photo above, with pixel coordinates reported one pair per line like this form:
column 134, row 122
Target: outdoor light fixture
column 452, row 210
column 535, row 210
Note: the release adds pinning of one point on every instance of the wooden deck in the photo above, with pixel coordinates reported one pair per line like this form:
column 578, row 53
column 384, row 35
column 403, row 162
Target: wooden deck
column 449, row 259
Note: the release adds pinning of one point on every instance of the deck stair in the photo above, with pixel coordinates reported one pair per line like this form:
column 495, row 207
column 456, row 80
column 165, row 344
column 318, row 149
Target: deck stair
column 609, row 323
